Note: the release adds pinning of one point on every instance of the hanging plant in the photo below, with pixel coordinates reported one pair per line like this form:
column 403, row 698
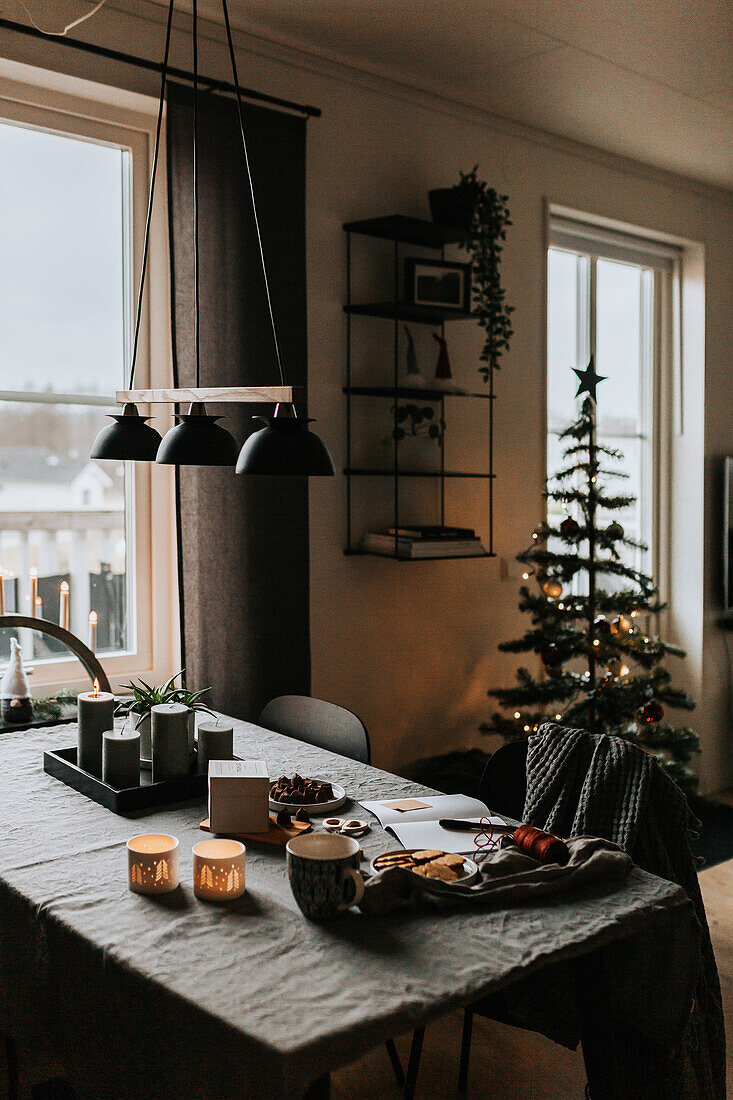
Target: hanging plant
column 484, row 215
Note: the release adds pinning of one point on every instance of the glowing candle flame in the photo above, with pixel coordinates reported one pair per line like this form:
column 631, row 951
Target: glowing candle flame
column 64, row 586
column 95, row 689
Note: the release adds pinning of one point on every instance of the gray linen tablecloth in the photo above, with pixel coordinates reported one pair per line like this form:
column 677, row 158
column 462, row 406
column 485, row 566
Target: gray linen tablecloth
column 153, row 997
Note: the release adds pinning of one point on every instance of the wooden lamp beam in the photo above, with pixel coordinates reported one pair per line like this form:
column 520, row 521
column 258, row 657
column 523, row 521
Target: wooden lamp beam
column 227, row 395
column 77, row 647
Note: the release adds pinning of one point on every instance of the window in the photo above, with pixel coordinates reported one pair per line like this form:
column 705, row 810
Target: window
column 604, row 292
column 73, row 188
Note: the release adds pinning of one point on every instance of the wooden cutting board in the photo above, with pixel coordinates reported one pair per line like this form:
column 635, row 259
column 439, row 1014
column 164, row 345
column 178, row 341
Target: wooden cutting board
column 277, row 834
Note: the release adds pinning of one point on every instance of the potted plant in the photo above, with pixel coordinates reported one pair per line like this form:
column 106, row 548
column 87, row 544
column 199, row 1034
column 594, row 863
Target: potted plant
column 414, row 422
column 485, row 234
column 145, row 697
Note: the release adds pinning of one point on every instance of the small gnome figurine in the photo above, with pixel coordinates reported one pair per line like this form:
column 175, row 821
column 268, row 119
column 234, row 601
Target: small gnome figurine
column 443, row 377
column 16, row 701
column 414, row 379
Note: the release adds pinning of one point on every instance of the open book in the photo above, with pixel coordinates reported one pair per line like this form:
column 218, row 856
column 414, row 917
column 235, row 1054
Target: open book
column 415, row 821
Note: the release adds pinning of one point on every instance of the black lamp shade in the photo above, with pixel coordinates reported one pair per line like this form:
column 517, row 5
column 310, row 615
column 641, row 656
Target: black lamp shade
column 285, row 447
column 129, row 438
column 197, row 440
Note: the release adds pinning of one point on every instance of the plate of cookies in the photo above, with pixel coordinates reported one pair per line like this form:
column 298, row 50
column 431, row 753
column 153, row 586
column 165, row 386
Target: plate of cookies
column 296, row 792
column 429, row 863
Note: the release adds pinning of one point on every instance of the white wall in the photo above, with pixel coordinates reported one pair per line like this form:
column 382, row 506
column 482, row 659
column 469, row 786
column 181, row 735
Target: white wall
column 412, row 648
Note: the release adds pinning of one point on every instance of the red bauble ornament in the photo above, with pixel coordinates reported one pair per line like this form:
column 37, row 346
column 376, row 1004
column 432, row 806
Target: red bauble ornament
column 601, row 625
column 551, row 656
column 653, row 711
column 569, row 527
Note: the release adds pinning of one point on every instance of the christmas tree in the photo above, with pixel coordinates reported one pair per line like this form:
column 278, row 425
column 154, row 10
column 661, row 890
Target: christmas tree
column 601, row 670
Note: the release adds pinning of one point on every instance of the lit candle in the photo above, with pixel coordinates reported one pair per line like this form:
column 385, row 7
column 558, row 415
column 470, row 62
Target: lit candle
column 64, row 605
column 96, row 714
column 38, row 613
column 152, row 864
column 34, row 590
column 218, row 869
column 2, row 591
column 93, row 631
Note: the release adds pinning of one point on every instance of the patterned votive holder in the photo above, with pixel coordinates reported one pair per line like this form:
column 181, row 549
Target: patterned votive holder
column 218, row 869
column 152, row 863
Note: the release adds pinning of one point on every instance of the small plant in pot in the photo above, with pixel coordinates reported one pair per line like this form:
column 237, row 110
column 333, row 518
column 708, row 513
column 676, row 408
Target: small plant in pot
column 485, row 232
column 146, row 696
column 414, row 421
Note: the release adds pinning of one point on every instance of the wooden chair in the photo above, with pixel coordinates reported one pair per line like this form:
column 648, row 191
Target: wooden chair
column 329, row 727
column 503, row 788
column 318, row 723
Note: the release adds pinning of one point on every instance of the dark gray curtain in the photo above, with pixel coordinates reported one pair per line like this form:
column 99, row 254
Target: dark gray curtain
column 243, row 542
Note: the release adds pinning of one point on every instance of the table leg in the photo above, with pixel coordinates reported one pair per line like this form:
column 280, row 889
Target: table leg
column 320, row 1089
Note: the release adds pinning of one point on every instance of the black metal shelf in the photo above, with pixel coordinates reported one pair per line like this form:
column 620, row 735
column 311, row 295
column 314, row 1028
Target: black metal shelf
column 351, row 472
column 406, row 311
column 403, row 231
column 413, row 391
column 401, row 557
column 397, row 227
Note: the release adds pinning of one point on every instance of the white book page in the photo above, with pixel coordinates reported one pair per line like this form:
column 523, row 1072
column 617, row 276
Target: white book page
column 437, row 805
column 429, row 834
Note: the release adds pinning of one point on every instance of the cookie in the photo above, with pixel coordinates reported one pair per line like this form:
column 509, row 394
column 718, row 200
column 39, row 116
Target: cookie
column 439, row 871
column 451, row 859
column 426, row 855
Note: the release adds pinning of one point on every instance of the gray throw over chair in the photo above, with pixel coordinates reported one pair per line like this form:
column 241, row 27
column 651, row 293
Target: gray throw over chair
column 318, row 723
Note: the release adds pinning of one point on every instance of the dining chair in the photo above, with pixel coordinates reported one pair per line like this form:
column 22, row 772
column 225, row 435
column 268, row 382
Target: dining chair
column 502, row 788
column 318, row 723
column 339, row 730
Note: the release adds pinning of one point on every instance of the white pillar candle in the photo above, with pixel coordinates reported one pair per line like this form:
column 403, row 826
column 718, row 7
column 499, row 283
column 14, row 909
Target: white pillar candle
column 169, row 735
column 93, row 631
column 38, row 613
column 64, row 605
column 96, row 713
column 216, row 742
column 152, row 863
column 2, row 591
column 34, row 590
column 121, row 758
column 218, row 869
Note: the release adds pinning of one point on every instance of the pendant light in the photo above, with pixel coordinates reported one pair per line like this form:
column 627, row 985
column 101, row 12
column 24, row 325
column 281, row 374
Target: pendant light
column 285, row 446
column 130, row 437
column 197, row 439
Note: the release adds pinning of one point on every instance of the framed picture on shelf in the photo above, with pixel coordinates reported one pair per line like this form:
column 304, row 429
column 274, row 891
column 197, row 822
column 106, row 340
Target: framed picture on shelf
column 438, row 283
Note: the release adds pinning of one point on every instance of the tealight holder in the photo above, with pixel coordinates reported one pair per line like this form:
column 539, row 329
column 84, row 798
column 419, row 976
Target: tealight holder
column 218, row 869
column 152, row 863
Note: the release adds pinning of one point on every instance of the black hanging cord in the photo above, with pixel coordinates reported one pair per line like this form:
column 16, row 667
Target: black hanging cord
column 196, row 194
column 156, row 151
column 251, row 186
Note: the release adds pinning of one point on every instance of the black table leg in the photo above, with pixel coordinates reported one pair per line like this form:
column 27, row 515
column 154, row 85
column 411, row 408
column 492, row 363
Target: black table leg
column 414, row 1064
column 320, row 1089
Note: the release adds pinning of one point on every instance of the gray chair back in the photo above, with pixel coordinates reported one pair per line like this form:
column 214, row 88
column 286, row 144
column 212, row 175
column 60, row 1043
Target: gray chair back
column 318, row 723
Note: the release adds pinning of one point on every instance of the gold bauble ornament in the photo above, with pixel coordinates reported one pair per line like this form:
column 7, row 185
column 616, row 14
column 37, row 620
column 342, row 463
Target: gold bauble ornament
column 552, row 588
column 620, row 625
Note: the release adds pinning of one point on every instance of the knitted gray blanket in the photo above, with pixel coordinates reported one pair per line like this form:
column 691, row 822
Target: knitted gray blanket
column 582, row 784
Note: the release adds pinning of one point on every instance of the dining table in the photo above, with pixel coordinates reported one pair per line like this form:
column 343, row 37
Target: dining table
column 172, row 996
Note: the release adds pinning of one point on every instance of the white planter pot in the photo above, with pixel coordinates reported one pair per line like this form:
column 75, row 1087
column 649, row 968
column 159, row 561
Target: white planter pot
column 416, row 452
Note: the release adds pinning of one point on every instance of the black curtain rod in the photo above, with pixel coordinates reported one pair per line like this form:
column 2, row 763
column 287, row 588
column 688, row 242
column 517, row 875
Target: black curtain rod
column 156, row 67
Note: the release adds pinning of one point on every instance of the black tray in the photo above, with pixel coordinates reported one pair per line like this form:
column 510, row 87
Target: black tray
column 61, row 764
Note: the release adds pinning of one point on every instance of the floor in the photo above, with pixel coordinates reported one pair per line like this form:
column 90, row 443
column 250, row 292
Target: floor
column 506, row 1064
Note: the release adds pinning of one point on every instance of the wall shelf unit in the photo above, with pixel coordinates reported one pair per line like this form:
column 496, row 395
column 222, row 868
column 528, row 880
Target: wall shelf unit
column 400, row 231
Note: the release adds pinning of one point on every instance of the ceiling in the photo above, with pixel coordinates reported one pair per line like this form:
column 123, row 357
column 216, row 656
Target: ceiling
column 648, row 79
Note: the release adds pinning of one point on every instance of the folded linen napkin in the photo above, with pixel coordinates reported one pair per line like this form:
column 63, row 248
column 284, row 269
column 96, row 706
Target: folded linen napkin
column 508, row 877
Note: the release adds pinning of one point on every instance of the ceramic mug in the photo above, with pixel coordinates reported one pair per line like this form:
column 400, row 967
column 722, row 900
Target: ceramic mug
column 322, row 868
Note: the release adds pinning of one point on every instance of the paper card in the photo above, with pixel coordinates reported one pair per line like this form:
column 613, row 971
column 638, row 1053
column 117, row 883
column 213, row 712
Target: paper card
column 404, row 805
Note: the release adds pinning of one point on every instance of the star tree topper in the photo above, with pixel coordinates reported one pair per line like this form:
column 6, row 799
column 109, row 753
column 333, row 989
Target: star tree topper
column 589, row 379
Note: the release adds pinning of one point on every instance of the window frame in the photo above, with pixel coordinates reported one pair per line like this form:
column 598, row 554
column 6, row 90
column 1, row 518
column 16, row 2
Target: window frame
column 67, row 105
column 596, row 239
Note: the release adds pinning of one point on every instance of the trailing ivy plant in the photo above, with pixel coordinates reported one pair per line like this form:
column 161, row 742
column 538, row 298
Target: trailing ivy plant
column 414, row 420
column 485, row 245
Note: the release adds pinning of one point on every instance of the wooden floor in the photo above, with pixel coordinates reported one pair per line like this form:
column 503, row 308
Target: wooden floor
column 508, row 1064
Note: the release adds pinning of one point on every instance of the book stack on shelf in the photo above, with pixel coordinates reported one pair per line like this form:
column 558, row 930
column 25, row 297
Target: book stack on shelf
column 424, row 542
